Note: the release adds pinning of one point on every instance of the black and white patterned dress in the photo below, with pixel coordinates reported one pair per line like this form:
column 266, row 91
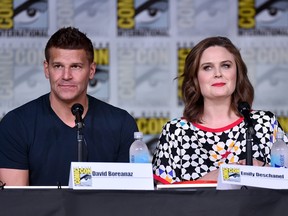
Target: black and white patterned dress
column 187, row 151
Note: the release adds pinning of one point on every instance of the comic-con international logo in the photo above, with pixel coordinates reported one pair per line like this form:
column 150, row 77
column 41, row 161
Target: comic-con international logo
column 142, row 18
column 20, row 18
column 99, row 84
column 231, row 174
column 283, row 120
column 152, row 127
column 263, row 17
column 82, row 176
column 182, row 52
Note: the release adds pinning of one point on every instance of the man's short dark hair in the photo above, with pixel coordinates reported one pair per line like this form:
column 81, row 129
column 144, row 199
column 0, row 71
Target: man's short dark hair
column 70, row 38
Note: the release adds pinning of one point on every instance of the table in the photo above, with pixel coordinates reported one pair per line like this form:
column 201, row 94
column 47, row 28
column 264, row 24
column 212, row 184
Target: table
column 54, row 202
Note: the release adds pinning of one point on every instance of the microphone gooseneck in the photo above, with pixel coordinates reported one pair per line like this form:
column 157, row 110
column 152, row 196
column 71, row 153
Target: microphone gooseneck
column 77, row 110
column 244, row 109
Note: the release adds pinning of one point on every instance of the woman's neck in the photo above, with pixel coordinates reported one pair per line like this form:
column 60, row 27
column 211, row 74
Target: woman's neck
column 216, row 115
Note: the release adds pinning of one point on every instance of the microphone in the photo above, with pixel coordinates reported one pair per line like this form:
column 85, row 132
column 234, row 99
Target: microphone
column 77, row 110
column 244, row 109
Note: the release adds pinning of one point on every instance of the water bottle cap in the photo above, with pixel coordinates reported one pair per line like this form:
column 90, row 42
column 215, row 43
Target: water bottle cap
column 138, row 135
column 280, row 135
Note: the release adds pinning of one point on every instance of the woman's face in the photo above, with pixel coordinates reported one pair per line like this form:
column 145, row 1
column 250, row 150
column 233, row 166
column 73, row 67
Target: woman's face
column 217, row 73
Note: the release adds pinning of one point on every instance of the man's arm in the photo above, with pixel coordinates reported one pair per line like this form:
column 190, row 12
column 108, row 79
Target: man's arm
column 14, row 177
column 129, row 126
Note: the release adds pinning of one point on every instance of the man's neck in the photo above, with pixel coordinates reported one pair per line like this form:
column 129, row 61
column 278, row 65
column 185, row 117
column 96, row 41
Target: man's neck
column 63, row 109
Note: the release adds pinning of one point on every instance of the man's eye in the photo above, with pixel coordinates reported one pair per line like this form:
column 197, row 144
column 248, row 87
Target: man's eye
column 57, row 66
column 76, row 66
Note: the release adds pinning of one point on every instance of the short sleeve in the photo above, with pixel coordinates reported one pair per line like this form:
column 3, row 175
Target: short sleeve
column 14, row 148
column 128, row 128
column 166, row 159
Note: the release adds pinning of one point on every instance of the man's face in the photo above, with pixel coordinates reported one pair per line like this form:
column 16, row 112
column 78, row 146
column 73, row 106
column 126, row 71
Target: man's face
column 69, row 72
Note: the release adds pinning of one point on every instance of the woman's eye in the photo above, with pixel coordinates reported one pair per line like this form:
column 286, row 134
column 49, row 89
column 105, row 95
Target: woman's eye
column 226, row 65
column 207, row 68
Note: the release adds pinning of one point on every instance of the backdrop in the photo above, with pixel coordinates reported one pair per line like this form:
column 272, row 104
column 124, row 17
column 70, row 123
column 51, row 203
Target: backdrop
column 140, row 48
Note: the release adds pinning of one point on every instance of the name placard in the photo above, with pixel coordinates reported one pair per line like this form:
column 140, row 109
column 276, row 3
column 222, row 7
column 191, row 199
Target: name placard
column 113, row 176
column 235, row 176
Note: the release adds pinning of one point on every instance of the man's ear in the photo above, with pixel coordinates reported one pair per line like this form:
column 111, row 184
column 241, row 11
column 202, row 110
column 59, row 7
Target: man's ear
column 92, row 70
column 46, row 70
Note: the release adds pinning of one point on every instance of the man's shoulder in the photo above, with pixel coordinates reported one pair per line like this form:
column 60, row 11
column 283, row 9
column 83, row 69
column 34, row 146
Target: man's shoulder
column 110, row 115
column 26, row 113
column 33, row 104
column 29, row 108
column 97, row 105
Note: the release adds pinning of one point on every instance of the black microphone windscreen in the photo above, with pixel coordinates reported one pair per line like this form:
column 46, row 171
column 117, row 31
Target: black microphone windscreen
column 77, row 108
column 244, row 108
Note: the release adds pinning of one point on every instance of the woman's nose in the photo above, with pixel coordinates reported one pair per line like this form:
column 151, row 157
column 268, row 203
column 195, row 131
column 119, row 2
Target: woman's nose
column 217, row 72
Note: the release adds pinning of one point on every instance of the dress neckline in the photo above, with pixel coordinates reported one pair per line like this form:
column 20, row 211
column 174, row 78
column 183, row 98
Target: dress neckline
column 221, row 129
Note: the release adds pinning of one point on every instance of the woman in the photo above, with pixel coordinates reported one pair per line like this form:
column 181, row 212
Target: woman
column 212, row 130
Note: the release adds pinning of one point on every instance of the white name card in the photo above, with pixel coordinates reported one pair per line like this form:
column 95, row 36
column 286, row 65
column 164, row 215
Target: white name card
column 113, row 176
column 235, row 176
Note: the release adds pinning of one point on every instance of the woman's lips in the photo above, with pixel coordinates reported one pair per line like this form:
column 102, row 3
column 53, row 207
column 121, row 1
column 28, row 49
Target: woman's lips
column 218, row 84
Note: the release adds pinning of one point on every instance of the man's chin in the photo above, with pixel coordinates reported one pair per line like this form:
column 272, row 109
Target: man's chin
column 68, row 98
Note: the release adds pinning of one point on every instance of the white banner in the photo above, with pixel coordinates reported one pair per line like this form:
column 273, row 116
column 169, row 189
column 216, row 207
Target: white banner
column 113, row 176
column 254, row 176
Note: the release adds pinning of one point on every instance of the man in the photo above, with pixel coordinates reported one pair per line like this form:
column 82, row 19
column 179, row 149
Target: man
column 39, row 139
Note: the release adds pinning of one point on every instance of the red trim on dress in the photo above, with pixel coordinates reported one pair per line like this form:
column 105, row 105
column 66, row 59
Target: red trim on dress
column 238, row 121
column 163, row 181
column 197, row 182
column 159, row 179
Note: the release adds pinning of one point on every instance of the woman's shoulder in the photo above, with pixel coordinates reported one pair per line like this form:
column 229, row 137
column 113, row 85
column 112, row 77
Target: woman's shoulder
column 266, row 114
column 179, row 123
column 264, row 118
